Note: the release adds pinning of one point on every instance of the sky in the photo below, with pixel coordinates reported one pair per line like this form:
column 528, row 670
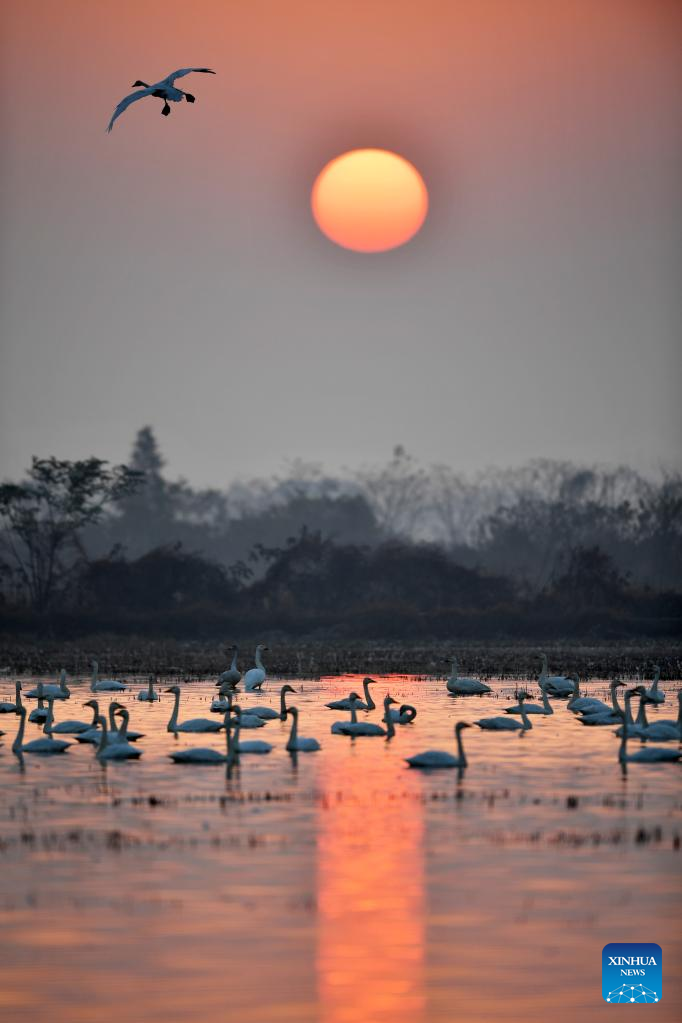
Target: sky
column 171, row 272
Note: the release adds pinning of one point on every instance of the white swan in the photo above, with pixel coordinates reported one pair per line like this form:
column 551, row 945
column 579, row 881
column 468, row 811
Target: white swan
column 346, row 702
column 93, row 734
column 223, row 701
column 366, row 728
column 104, row 685
column 116, row 750
column 203, row 754
column 584, row 704
column 464, row 686
column 248, row 719
column 233, row 675
column 39, row 713
column 149, row 695
column 255, row 677
column 298, row 744
column 70, row 727
column 404, row 716
column 647, row 755
column 268, row 713
column 164, row 90
column 654, row 694
column 249, row 745
column 194, row 724
column 507, row 724
column 556, row 685
column 636, row 729
column 664, row 730
column 434, row 758
column 533, row 708
column 611, row 715
column 6, row 707
column 58, row 692
column 42, row 745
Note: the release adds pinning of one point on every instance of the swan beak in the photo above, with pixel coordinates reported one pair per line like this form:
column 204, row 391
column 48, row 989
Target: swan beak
column 171, row 690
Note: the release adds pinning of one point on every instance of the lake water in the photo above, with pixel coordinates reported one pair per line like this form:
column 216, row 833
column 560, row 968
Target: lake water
column 341, row 888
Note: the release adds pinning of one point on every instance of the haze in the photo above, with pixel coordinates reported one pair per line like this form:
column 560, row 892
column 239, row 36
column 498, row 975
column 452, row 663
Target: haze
column 171, row 272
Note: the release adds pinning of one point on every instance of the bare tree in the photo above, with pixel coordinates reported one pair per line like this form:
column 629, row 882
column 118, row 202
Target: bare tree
column 42, row 517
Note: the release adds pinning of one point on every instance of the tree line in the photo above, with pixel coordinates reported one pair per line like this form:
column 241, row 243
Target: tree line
column 399, row 549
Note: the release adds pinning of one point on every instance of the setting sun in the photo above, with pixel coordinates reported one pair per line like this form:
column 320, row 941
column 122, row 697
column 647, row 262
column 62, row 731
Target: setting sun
column 369, row 200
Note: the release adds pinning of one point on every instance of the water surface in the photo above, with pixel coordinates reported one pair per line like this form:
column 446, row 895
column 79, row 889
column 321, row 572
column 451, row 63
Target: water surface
column 340, row 887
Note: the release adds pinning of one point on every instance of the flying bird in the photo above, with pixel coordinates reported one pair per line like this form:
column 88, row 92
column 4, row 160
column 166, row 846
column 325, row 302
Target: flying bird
column 165, row 90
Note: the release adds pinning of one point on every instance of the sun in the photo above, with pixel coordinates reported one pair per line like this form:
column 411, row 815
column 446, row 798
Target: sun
column 369, row 200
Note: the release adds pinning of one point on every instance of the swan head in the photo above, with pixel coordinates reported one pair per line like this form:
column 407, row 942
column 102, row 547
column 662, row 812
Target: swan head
column 616, row 682
column 388, row 700
column 172, row 689
column 288, row 689
column 354, row 697
column 462, row 724
column 138, row 84
column 92, row 703
column 523, row 696
column 293, row 711
column 369, row 681
column 116, row 706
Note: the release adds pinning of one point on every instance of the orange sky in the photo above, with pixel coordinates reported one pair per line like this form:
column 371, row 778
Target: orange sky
column 548, row 135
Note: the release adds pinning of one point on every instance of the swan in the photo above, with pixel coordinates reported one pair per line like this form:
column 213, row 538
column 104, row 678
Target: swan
column 636, row 729
column 255, row 677
column 556, row 685
column 584, row 704
column 68, row 727
column 404, row 716
column 233, row 675
column 13, row 708
column 249, row 745
column 507, row 724
column 666, row 729
column 533, row 708
column 205, row 755
column 366, row 728
column 611, row 715
column 59, row 692
column 267, row 713
column 165, row 90
column 296, row 744
column 223, row 701
column 654, row 694
column 464, row 686
column 42, row 745
column 438, row 758
column 39, row 713
column 339, row 727
column 248, row 719
column 149, row 695
column 194, row 724
column 346, row 702
column 104, row 685
column 93, row 734
column 116, row 750
column 647, row 755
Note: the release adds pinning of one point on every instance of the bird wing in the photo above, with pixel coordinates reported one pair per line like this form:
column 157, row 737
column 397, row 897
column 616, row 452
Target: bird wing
column 186, row 71
column 125, row 103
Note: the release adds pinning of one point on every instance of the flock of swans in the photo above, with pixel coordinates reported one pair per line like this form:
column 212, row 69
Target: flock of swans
column 113, row 739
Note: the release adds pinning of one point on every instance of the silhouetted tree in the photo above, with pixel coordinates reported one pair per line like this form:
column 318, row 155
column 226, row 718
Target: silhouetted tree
column 42, row 517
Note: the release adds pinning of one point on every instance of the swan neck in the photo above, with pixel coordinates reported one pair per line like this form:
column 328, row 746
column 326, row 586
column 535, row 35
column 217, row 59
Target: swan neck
column 614, row 701
column 259, row 663
column 174, row 715
column 19, row 739
column 93, row 680
column 526, row 720
column 17, row 690
column 368, row 696
column 390, row 727
column 105, row 735
column 461, row 756
column 293, row 735
column 49, row 720
column 233, row 666
column 353, row 713
column 283, row 704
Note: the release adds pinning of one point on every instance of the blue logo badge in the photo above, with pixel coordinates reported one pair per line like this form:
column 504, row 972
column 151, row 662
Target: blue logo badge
column 631, row 972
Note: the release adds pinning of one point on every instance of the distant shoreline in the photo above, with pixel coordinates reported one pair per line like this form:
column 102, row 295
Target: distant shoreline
column 129, row 656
